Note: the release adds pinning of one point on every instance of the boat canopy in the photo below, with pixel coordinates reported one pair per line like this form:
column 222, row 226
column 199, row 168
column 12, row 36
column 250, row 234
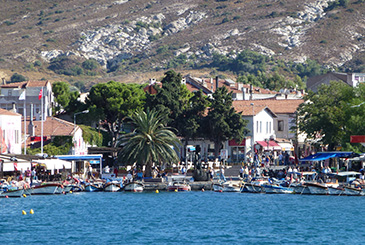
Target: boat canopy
column 320, row 156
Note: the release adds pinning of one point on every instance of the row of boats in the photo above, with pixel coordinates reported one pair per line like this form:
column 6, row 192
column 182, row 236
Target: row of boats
column 16, row 190
column 329, row 185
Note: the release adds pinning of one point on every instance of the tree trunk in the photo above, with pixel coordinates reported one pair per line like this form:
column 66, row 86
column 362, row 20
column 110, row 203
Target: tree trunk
column 148, row 170
column 217, row 146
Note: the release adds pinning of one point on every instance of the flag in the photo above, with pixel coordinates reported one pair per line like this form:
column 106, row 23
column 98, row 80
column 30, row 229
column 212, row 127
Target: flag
column 40, row 94
column 22, row 96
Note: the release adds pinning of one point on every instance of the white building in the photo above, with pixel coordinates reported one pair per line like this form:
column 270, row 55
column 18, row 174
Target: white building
column 10, row 132
column 11, row 92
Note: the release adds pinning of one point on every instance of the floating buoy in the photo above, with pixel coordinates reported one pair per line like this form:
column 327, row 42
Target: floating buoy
column 176, row 190
column 24, row 213
column 157, row 191
column 70, row 192
column 203, row 190
column 6, row 196
column 220, row 191
column 31, row 211
column 24, row 195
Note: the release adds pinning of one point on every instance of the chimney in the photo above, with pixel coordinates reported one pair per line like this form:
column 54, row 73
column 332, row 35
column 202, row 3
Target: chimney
column 3, row 81
column 216, row 83
column 13, row 109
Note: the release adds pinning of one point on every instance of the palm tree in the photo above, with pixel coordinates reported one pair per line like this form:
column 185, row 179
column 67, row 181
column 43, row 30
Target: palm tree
column 150, row 141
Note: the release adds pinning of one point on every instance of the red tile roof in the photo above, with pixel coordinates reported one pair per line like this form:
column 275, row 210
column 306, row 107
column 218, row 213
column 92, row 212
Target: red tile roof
column 277, row 106
column 26, row 84
column 8, row 113
column 54, row 127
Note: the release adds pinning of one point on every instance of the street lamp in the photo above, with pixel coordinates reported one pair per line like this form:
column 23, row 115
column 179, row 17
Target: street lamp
column 77, row 113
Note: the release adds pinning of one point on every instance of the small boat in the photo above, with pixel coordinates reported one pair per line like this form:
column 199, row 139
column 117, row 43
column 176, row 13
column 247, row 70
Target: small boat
column 255, row 186
column 12, row 192
column 277, row 189
column 47, row 189
column 178, row 186
column 134, row 186
column 93, row 187
column 353, row 191
column 336, row 190
column 112, row 186
column 227, row 187
column 300, row 188
column 317, row 188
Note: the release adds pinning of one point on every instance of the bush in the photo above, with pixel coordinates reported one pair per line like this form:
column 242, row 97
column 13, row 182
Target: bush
column 16, row 78
column 90, row 64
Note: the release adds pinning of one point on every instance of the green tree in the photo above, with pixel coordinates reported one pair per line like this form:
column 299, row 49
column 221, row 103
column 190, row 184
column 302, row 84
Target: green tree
column 171, row 99
column 90, row 64
column 113, row 102
column 62, row 94
column 190, row 121
column 150, row 142
column 323, row 114
column 222, row 122
column 16, row 78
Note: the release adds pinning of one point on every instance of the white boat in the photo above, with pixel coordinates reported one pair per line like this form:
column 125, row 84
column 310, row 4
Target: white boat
column 255, row 186
column 277, row 189
column 113, row 186
column 93, row 187
column 178, row 186
column 47, row 189
column 353, row 191
column 336, row 190
column 300, row 188
column 134, row 186
column 12, row 193
column 317, row 188
column 227, row 187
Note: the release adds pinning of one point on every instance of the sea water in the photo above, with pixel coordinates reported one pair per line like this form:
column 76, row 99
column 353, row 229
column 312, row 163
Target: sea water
column 182, row 218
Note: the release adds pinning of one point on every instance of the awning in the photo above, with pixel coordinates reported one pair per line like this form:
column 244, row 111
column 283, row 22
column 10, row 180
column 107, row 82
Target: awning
column 271, row 146
column 54, row 163
column 79, row 157
column 320, row 156
column 286, row 146
column 234, row 143
column 12, row 166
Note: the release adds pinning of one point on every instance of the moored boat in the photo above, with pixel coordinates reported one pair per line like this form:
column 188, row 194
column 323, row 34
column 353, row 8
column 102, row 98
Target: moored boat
column 353, row 191
column 112, row 186
column 178, row 186
column 317, row 188
column 227, row 187
column 13, row 193
column 336, row 190
column 277, row 189
column 47, row 189
column 93, row 187
column 134, row 186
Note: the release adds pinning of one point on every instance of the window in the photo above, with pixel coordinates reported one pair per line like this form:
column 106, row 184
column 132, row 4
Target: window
column 16, row 136
column 267, row 127
column 257, row 126
column 10, row 93
column 281, row 125
column 260, row 126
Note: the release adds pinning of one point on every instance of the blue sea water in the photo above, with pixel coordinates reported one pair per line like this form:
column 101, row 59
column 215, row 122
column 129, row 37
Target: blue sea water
column 182, row 218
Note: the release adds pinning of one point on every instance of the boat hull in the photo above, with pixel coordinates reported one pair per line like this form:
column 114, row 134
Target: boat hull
column 273, row 189
column 47, row 189
column 226, row 188
column 112, row 187
column 92, row 188
column 318, row 189
column 254, row 188
column 13, row 193
column 350, row 191
column 335, row 191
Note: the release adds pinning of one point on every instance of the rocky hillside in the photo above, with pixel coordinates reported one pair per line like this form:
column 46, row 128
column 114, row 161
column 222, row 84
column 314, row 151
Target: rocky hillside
column 147, row 35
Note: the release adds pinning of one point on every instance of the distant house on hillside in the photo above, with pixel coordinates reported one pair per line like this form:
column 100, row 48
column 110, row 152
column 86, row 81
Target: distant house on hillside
column 352, row 79
column 10, row 132
column 11, row 92
column 283, row 122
